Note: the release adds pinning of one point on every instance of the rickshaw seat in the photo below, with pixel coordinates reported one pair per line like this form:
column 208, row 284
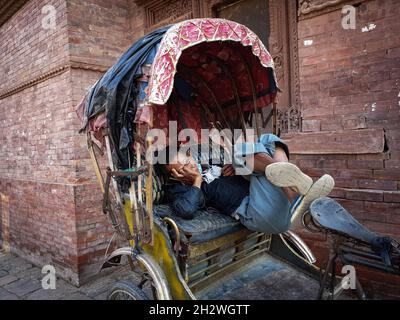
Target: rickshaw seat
column 205, row 226
column 331, row 215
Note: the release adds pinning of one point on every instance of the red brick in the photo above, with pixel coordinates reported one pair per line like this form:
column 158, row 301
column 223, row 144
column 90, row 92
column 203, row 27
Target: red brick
column 391, row 196
column 356, row 174
column 365, row 195
column 387, row 174
column 365, row 164
column 377, row 184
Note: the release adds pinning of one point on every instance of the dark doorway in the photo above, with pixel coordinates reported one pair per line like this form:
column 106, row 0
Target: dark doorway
column 251, row 13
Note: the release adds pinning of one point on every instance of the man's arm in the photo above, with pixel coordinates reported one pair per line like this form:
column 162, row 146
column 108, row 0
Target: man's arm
column 187, row 203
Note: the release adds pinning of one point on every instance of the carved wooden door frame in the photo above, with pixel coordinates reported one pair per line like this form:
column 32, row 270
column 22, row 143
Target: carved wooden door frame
column 283, row 44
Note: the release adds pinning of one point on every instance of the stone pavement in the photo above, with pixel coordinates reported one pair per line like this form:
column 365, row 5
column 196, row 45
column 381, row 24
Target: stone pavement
column 20, row 280
column 270, row 279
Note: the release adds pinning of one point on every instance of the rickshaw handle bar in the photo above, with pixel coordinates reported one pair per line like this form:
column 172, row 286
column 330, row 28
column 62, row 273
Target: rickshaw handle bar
column 110, row 174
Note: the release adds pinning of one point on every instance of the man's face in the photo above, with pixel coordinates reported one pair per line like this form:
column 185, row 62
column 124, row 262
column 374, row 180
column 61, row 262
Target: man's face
column 182, row 161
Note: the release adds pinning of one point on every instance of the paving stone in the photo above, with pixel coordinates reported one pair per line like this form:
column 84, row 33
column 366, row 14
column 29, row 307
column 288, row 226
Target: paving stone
column 102, row 296
column 103, row 285
column 32, row 273
column 18, row 268
column 3, row 273
column 5, row 295
column 23, row 287
column 56, row 294
column 7, row 279
column 77, row 296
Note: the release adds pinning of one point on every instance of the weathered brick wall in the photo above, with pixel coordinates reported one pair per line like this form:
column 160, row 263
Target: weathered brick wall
column 350, row 81
column 99, row 31
column 37, row 137
column 97, row 39
column 26, row 49
column 50, row 209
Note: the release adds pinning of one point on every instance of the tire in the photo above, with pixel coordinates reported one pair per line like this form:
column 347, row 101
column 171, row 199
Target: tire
column 125, row 290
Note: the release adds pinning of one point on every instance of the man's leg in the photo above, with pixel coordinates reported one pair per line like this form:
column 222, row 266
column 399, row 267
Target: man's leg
column 262, row 160
column 268, row 158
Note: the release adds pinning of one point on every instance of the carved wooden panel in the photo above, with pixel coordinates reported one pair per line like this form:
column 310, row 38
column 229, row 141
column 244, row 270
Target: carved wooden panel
column 283, row 44
column 312, row 8
column 160, row 13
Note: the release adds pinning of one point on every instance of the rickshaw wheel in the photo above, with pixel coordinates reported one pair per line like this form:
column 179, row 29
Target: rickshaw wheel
column 124, row 290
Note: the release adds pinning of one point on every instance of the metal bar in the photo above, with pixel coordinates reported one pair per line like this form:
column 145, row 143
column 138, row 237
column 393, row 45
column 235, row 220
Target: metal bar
column 177, row 233
column 198, row 250
column 105, row 193
column 360, row 252
column 95, row 165
column 333, row 274
column 149, row 189
column 214, row 98
column 301, row 245
column 235, row 93
column 154, row 270
column 332, row 257
column 129, row 173
column 233, row 256
column 228, row 266
column 230, row 247
column 137, row 227
column 253, row 89
column 111, row 164
column 274, row 119
column 360, row 291
column 138, row 165
column 378, row 265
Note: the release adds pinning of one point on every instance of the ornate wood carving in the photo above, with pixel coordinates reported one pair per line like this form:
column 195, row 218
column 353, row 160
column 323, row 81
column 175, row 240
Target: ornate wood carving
column 289, row 120
column 159, row 13
column 283, row 44
column 312, row 8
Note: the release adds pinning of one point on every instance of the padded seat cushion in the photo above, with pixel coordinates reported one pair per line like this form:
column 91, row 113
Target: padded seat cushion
column 206, row 225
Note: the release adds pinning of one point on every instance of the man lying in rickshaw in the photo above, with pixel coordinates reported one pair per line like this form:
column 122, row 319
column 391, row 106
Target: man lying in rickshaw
column 264, row 197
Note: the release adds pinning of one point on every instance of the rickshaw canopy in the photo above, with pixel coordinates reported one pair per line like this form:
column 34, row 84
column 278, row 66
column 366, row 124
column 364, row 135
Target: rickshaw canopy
column 198, row 72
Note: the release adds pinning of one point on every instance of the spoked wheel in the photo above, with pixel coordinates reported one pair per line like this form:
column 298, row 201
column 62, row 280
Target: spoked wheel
column 124, row 290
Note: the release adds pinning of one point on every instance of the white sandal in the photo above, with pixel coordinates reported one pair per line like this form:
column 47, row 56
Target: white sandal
column 321, row 188
column 285, row 174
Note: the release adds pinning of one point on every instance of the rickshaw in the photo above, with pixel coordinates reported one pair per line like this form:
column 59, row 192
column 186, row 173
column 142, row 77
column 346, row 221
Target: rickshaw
column 201, row 73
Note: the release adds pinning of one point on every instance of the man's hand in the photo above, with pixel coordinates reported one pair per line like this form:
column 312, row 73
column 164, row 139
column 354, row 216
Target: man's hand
column 228, row 171
column 188, row 174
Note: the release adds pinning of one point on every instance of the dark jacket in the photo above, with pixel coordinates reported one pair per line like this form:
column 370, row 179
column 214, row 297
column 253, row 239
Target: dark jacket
column 224, row 194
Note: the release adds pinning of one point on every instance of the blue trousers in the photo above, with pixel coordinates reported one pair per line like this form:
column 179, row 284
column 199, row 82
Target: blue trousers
column 266, row 208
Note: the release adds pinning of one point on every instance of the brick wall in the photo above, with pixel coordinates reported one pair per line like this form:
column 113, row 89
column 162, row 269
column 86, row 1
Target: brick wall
column 102, row 34
column 37, row 136
column 97, row 40
column 50, row 208
column 350, row 82
column 33, row 50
